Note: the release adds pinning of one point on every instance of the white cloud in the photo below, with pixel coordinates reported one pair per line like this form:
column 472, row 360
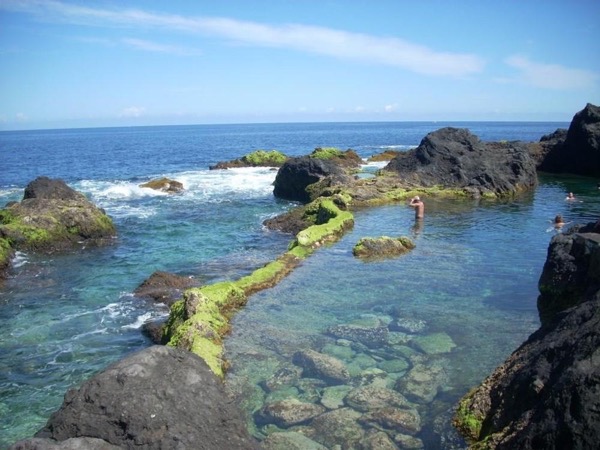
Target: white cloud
column 390, row 108
column 133, row 112
column 550, row 76
column 148, row 46
column 21, row 117
column 389, row 51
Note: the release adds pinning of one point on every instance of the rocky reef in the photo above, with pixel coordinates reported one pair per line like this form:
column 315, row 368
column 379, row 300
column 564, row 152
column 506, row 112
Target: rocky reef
column 546, row 394
column 158, row 398
column 51, row 217
column 258, row 158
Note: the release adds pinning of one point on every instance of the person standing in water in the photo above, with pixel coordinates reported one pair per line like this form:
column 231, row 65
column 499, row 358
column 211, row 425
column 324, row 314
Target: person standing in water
column 419, row 206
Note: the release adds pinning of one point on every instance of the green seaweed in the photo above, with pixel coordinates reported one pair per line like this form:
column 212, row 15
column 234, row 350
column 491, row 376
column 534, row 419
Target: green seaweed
column 327, row 153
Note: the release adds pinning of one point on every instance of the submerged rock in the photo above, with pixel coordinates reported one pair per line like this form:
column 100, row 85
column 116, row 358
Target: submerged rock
column 288, row 412
column 290, row 440
column 367, row 398
column 371, row 336
column 339, row 427
column 434, row 344
column 382, row 247
column 158, row 398
column 321, row 366
column 423, row 382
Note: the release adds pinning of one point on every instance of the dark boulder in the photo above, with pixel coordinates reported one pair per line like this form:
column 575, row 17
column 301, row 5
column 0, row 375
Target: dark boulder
column 547, row 393
column 579, row 152
column 158, row 398
column 456, row 158
column 164, row 287
column 571, row 273
column 51, row 189
column 296, row 174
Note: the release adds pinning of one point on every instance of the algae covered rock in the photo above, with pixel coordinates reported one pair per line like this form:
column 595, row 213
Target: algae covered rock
column 53, row 217
column 296, row 174
column 165, row 185
column 382, row 247
column 290, row 440
column 258, row 158
column 164, row 287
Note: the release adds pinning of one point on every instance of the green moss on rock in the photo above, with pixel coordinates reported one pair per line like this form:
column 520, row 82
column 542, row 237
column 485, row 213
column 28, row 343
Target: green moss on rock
column 272, row 158
column 199, row 321
column 326, row 153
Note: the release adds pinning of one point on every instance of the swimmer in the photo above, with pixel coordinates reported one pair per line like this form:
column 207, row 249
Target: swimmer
column 570, row 196
column 419, row 206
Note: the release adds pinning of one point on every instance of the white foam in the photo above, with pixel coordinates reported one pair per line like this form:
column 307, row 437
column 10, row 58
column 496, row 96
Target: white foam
column 139, row 321
column 19, row 260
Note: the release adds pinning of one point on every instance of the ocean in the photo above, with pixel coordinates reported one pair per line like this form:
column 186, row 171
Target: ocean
column 472, row 277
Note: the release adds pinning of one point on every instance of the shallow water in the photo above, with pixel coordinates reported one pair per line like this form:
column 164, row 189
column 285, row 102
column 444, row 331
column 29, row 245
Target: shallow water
column 472, row 277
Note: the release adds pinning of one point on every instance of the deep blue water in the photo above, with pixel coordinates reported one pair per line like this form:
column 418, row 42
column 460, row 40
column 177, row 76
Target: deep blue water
column 472, row 276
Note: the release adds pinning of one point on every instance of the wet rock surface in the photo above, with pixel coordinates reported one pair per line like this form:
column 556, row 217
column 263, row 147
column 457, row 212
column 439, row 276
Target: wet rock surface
column 158, row 398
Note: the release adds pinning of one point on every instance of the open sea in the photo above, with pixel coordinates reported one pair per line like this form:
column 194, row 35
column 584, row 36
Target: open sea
column 471, row 279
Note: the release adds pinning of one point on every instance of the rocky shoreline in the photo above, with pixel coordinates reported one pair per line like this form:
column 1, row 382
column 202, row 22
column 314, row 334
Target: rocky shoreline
column 448, row 162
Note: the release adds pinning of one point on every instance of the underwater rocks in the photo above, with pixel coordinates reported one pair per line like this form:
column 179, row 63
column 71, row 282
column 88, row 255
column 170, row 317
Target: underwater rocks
column 321, row 366
column 545, row 395
column 346, row 394
column 164, row 185
column 160, row 397
column 382, row 247
column 52, row 217
column 456, row 158
column 577, row 152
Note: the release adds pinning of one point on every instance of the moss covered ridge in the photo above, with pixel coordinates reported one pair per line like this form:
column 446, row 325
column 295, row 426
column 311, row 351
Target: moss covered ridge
column 199, row 321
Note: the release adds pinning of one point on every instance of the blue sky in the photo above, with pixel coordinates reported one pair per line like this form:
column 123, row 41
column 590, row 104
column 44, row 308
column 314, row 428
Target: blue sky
column 122, row 63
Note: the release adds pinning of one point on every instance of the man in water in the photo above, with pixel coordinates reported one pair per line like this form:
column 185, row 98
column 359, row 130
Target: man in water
column 570, row 196
column 419, row 206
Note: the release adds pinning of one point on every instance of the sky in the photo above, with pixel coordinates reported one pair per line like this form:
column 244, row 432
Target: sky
column 70, row 64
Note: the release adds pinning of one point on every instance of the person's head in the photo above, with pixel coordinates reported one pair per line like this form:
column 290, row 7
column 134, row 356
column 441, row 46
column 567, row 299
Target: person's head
column 571, row 195
column 558, row 219
column 416, row 198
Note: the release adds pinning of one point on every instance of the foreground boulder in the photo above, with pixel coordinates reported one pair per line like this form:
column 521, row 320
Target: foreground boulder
column 52, row 217
column 456, row 158
column 546, row 394
column 579, row 151
column 158, row 398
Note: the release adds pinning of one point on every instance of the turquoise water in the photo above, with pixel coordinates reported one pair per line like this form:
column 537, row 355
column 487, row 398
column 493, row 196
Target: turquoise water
column 473, row 274
column 472, row 277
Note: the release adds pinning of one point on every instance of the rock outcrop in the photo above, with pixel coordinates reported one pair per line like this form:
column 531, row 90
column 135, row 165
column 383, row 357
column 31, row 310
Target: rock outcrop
column 296, row 174
column 164, row 287
column 579, row 151
column 52, row 217
column 164, row 185
column 258, row 158
column 456, row 158
column 158, row 398
column 547, row 393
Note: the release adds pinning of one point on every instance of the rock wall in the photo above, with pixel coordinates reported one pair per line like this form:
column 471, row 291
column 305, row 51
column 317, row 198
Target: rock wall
column 547, row 393
column 579, row 151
